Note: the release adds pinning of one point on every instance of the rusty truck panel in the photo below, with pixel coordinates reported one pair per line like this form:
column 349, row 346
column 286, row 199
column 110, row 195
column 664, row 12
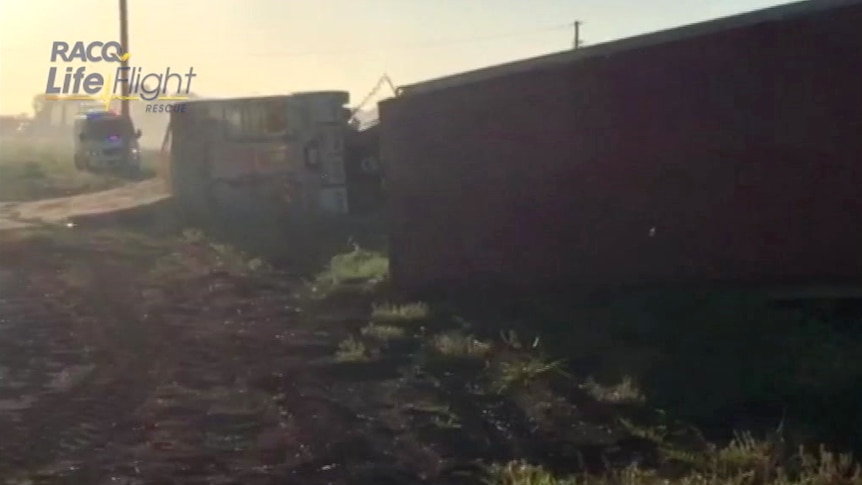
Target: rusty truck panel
column 721, row 153
column 247, row 156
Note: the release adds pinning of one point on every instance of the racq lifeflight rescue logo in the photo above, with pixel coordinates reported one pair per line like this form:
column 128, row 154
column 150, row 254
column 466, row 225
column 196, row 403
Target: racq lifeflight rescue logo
column 79, row 84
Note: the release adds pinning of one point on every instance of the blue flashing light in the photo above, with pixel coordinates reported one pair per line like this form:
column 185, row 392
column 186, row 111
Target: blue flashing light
column 93, row 115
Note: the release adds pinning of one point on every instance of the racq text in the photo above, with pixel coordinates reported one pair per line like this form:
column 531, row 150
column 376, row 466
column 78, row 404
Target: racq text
column 165, row 108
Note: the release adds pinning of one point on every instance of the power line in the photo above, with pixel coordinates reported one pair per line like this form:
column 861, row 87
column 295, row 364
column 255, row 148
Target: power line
column 390, row 47
column 577, row 42
column 124, row 41
column 419, row 45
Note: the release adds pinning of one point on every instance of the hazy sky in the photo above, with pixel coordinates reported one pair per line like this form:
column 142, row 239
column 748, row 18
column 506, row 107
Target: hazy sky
column 246, row 47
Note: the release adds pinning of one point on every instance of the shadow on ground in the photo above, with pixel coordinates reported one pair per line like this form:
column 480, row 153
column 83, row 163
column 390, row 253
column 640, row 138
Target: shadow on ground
column 158, row 355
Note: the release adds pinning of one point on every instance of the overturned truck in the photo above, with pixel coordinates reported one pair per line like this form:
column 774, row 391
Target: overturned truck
column 247, row 157
column 725, row 152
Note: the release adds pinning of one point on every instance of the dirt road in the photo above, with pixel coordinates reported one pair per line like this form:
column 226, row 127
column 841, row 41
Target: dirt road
column 16, row 215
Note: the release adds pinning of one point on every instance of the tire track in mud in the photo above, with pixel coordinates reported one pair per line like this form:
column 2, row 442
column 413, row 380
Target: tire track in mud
column 152, row 389
column 207, row 377
column 71, row 424
column 239, row 401
column 210, row 420
column 69, row 415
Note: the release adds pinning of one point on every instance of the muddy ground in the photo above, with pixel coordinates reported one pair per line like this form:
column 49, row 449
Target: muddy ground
column 128, row 359
column 133, row 359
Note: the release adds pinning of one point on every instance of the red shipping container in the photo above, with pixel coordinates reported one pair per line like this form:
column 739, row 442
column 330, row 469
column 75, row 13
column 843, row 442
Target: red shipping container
column 723, row 152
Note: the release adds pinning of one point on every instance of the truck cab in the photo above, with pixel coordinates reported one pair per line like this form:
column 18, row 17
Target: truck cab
column 105, row 140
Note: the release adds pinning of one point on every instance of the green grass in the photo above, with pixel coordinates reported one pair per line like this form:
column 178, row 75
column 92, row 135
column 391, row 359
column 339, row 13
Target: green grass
column 383, row 333
column 693, row 357
column 237, row 261
column 358, row 265
column 459, row 345
column 193, row 251
column 352, row 350
column 521, row 372
column 359, row 269
column 406, row 313
column 745, row 461
column 625, row 391
column 33, row 171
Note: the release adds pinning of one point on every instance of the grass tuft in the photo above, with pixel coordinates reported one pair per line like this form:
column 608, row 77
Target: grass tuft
column 383, row 332
column 624, row 392
column 744, row 461
column 519, row 373
column 459, row 345
column 358, row 267
column 522, row 473
column 351, row 350
column 236, row 261
column 399, row 313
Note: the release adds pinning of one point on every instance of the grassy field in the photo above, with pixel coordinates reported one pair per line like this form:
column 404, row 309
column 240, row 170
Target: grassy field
column 40, row 170
column 763, row 379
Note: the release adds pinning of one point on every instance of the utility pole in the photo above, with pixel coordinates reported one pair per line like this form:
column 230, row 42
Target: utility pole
column 577, row 43
column 124, row 42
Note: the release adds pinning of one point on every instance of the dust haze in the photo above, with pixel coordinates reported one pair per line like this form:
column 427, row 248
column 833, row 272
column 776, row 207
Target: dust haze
column 51, row 121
